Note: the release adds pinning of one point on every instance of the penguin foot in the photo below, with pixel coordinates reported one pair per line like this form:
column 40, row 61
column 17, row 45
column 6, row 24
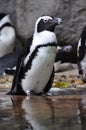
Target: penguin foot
column 32, row 93
column 40, row 94
column 9, row 93
column 16, row 93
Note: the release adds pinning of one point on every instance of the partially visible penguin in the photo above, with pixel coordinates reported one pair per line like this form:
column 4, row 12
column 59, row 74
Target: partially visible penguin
column 35, row 67
column 7, row 34
column 81, row 54
column 65, row 55
column 8, row 62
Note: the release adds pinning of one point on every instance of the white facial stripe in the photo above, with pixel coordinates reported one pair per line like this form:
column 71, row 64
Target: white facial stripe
column 44, row 17
column 6, row 19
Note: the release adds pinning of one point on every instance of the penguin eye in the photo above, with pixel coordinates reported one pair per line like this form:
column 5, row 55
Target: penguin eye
column 45, row 20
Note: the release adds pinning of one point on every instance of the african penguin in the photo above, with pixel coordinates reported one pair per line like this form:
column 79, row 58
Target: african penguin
column 65, row 55
column 7, row 34
column 81, row 54
column 35, row 71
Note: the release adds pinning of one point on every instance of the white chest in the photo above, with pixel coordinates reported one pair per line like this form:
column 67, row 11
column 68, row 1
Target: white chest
column 37, row 77
column 7, row 39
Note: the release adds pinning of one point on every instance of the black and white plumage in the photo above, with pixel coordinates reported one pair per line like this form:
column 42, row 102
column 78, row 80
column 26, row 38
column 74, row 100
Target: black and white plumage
column 65, row 54
column 35, row 71
column 75, row 55
column 8, row 62
column 7, row 35
column 81, row 54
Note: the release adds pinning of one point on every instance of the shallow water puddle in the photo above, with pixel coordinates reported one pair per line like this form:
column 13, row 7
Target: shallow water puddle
column 43, row 113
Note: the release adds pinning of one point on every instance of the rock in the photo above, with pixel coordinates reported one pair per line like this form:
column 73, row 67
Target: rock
column 25, row 13
column 73, row 15
column 64, row 67
column 72, row 12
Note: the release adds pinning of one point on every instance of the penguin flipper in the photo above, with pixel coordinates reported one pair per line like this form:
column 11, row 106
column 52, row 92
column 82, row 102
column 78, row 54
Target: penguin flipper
column 49, row 84
column 16, row 91
column 16, row 81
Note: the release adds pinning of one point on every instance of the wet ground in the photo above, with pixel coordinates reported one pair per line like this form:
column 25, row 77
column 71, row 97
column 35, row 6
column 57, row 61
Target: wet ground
column 43, row 112
column 61, row 109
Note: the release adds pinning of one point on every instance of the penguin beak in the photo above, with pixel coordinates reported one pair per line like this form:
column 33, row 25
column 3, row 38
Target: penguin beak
column 57, row 21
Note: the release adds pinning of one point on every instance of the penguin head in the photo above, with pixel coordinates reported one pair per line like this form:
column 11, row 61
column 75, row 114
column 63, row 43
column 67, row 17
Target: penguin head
column 47, row 23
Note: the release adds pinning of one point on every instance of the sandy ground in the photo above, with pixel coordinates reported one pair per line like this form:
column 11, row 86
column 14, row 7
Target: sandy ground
column 63, row 79
column 69, row 78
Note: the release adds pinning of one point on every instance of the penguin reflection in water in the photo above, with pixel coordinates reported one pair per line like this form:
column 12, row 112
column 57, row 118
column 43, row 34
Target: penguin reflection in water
column 7, row 34
column 35, row 71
